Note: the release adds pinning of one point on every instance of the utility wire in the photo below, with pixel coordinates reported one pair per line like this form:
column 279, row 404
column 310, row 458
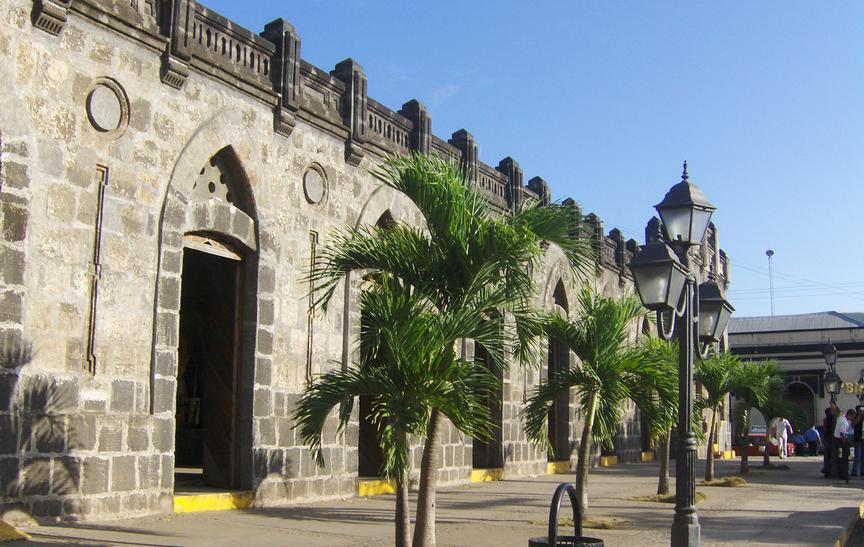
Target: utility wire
column 833, row 290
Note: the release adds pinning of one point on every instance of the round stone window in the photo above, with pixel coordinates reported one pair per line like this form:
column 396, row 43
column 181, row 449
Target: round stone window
column 314, row 185
column 107, row 107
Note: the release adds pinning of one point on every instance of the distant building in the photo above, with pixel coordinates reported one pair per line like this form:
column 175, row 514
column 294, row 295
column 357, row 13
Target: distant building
column 796, row 342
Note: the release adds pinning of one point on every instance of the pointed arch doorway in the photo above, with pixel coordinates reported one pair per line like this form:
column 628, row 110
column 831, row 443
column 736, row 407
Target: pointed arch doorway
column 559, row 413
column 206, row 335
column 370, row 453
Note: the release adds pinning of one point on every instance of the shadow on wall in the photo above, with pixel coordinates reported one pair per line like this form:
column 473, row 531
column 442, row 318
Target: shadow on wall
column 39, row 430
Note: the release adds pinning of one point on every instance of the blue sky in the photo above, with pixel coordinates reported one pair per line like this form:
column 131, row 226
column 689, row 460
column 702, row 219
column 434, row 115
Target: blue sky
column 605, row 99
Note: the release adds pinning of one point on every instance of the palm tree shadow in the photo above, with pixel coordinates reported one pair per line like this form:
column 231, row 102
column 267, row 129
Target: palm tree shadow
column 35, row 418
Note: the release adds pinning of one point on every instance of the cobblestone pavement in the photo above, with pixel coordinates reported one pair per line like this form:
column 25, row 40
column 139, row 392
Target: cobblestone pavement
column 794, row 506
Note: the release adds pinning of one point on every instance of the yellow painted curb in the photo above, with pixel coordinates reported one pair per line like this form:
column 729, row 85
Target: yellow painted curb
column 553, row 468
column 608, row 461
column 646, row 457
column 222, row 501
column 366, row 488
column 487, row 475
column 10, row 533
column 847, row 533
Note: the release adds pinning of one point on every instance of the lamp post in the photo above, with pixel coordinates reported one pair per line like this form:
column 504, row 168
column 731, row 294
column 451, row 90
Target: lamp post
column 832, row 383
column 666, row 284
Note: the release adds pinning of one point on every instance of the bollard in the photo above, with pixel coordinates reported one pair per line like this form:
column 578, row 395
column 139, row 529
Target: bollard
column 553, row 539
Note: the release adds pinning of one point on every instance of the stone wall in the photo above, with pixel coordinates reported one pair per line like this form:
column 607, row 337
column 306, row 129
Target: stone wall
column 129, row 127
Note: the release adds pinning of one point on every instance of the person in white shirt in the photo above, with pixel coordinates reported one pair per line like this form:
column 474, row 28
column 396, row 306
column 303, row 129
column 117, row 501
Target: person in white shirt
column 842, row 431
column 782, row 429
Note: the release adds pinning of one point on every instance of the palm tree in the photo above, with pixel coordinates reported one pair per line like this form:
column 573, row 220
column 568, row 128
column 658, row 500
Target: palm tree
column 407, row 369
column 613, row 370
column 464, row 254
column 774, row 406
column 719, row 375
column 754, row 384
column 664, row 410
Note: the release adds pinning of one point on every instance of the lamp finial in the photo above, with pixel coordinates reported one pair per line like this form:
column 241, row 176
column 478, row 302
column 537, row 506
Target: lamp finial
column 684, row 176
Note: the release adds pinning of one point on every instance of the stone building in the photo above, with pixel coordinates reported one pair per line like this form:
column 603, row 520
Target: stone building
column 166, row 177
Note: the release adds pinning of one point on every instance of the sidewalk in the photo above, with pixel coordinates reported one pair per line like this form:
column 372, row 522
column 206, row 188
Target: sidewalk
column 778, row 507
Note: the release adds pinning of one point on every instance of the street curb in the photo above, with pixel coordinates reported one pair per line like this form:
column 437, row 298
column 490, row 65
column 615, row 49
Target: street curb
column 487, row 475
column 223, row 501
column 847, row 533
column 375, row 487
column 10, row 533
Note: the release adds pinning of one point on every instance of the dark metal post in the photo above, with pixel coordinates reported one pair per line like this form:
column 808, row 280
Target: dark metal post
column 685, row 526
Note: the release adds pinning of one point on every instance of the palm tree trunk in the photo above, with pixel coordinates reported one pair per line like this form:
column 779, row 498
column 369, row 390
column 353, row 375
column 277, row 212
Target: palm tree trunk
column 709, row 458
column 745, row 448
column 584, row 454
column 663, row 482
column 424, row 526
column 403, row 514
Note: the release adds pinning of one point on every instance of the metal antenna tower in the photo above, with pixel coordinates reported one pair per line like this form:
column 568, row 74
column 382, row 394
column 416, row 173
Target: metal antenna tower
column 770, row 254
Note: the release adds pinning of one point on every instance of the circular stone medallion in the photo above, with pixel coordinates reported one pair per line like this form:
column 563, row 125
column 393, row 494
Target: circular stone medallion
column 104, row 108
column 314, row 186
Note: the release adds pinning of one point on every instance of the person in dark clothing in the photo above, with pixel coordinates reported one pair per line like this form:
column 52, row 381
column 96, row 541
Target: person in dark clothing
column 828, row 427
column 813, row 440
column 857, row 442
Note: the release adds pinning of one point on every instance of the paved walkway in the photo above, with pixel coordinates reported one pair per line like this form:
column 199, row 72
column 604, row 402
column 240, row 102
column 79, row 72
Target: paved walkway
column 778, row 507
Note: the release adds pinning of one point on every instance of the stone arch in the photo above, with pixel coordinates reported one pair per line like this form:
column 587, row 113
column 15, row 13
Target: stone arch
column 558, row 294
column 385, row 207
column 383, row 202
column 387, row 200
column 233, row 224
column 557, row 272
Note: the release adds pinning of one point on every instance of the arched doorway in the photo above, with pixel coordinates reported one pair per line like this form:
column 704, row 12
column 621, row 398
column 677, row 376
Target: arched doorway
column 559, row 413
column 802, row 396
column 644, row 430
column 206, row 325
column 489, row 454
column 369, row 451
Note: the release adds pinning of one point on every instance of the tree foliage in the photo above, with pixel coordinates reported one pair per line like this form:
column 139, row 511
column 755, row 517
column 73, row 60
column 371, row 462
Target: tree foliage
column 455, row 277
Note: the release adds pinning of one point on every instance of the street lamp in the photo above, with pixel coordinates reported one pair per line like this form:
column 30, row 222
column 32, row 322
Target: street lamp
column 832, row 384
column 831, row 380
column 714, row 312
column 665, row 283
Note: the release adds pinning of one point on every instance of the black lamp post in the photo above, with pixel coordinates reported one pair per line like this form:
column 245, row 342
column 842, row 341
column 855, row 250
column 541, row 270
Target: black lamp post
column 661, row 271
column 829, row 353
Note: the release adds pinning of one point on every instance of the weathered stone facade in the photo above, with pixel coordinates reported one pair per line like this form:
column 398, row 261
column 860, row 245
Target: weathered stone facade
column 134, row 131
